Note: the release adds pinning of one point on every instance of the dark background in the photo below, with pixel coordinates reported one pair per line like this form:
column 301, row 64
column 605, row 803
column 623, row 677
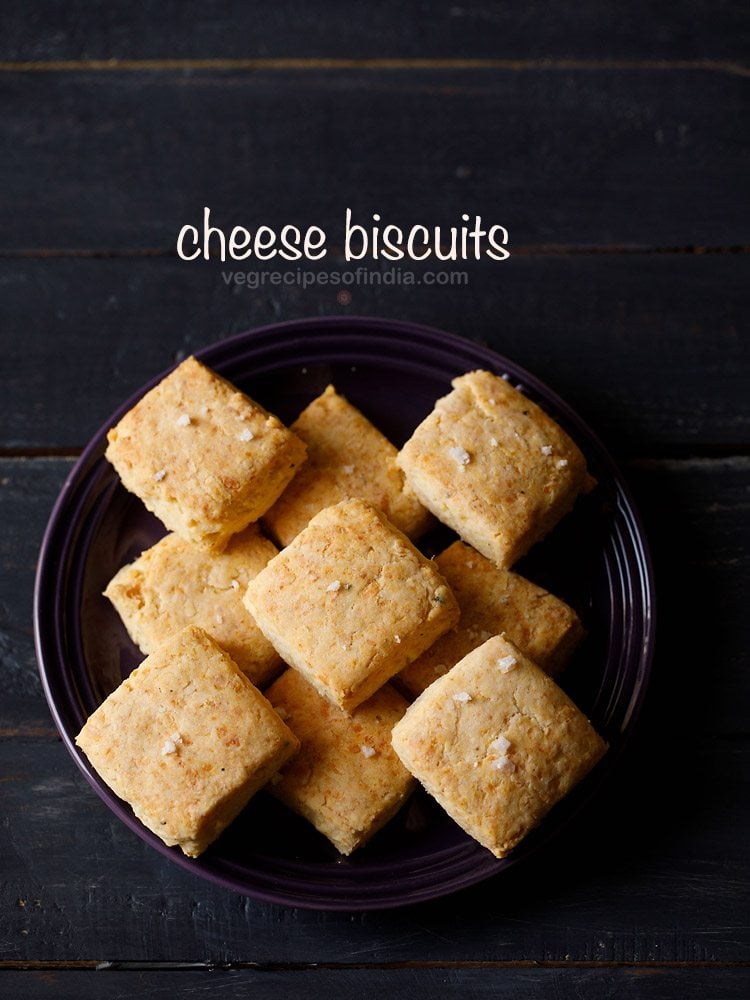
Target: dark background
column 611, row 140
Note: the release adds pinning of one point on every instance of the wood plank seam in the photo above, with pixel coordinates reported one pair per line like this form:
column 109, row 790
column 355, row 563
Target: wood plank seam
column 524, row 250
column 138, row 966
column 281, row 64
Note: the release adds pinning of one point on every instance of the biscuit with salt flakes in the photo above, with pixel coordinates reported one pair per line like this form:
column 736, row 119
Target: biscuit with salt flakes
column 350, row 602
column 494, row 466
column 494, row 600
column 346, row 779
column 347, row 457
column 203, row 456
column 174, row 584
column 186, row 740
column 497, row 743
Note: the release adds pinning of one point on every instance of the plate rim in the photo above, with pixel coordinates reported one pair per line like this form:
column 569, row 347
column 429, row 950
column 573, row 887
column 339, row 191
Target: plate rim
column 352, row 325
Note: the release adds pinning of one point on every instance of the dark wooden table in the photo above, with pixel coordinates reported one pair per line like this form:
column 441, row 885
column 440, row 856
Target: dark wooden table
column 610, row 139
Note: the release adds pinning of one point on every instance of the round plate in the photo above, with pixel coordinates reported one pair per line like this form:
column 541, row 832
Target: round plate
column 596, row 559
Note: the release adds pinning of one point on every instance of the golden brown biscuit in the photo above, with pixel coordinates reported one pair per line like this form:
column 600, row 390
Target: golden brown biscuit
column 492, row 465
column 186, row 740
column 174, row 584
column 346, row 779
column 346, row 457
column 497, row 743
column 350, row 602
column 494, row 600
column 202, row 455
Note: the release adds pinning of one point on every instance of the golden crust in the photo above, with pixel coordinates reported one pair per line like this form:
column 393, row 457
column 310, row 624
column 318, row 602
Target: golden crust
column 186, row 740
column 493, row 466
column 494, row 600
column 350, row 602
column 347, row 794
column 346, row 457
column 174, row 584
column 496, row 749
column 204, row 457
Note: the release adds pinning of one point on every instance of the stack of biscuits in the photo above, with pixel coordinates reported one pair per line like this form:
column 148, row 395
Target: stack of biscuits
column 297, row 639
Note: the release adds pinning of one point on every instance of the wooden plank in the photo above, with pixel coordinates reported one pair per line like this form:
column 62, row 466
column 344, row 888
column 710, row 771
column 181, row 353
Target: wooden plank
column 652, row 872
column 602, row 157
column 419, row 984
column 94, row 29
column 696, row 519
column 648, row 348
column 27, row 492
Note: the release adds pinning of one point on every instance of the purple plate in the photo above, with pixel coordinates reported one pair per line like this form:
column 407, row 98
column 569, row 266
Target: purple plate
column 596, row 559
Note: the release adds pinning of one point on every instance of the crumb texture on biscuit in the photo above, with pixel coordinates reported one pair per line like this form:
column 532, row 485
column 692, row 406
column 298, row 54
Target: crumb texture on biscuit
column 203, row 456
column 346, row 779
column 186, row 740
column 497, row 743
column 347, row 457
column 174, row 584
column 494, row 466
column 350, row 602
column 495, row 601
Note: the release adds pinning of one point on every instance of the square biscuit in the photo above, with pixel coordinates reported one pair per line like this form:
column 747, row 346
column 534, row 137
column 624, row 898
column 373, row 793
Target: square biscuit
column 497, row 743
column 174, row 584
column 493, row 601
column 493, row 466
column 186, row 740
column 350, row 602
column 346, row 779
column 203, row 456
column 346, row 457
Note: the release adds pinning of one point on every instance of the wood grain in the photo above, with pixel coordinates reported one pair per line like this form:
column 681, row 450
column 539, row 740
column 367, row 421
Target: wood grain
column 648, row 348
column 606, row 138
column 657, row 983
column 602, row 157
column 696, row 519
column 649, row 873
column 652, row 872
column 96, row 29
